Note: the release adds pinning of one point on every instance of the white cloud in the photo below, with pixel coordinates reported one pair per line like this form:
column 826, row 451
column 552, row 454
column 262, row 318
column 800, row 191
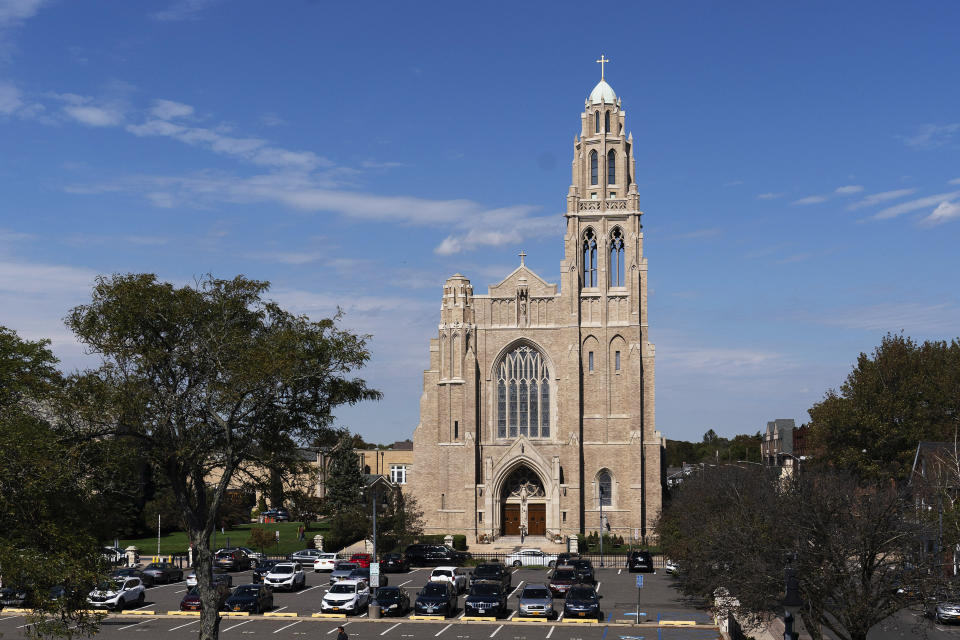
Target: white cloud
column 769, row 196
column 915, row 318
column 183, row 10
column 954, row 181
column 810, row 200
column 877, row 198
column 168, row 109
column 731, row 362
column 930, row 136
column 913, row 205
column 10, row 100
column 945, row 212
column 848, row 189
column 94, row 116
column 14, row 11
column 272, row 120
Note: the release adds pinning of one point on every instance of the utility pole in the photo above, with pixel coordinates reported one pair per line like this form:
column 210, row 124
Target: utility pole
column 601, row 525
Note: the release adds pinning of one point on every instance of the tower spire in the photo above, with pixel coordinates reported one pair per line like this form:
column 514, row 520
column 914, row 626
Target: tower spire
column 601, row 62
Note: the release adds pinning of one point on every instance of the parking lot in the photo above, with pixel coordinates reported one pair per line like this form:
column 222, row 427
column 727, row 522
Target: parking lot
column 659, row 603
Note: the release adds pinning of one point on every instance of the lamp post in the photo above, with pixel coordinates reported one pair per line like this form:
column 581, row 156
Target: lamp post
column 791, row 602
column 601, row 525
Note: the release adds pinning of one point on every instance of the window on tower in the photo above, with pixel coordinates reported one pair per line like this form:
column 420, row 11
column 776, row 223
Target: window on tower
column 596, row 122
column 594, row 168
column 606, row 122
column 605, row 488
column 589, row 259
column 617, row 276
column 523, row 394
column 612, row 167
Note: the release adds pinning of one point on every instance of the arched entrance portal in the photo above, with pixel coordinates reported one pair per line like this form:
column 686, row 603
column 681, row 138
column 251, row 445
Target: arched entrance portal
column 523, row 503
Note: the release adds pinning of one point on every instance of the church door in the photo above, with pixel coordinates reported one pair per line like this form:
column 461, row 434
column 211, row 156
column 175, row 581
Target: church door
column 511, row 519
column 537, row 517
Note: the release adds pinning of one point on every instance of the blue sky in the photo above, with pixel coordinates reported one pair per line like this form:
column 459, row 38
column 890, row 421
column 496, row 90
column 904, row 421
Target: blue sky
column 798, row 165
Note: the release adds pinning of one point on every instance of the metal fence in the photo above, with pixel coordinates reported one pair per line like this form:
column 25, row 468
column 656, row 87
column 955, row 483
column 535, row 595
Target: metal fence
column 615, row 560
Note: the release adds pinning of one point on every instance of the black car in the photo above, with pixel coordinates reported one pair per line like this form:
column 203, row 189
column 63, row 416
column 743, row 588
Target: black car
column 567, row 558
column 582, row 602
column 263, row 568
column 492, row 573
column 436, row 598
column 394, row 563
column 393, row 601
column 13, row 597
column 255, row 598
column 423, row 555
column 485, row 599
column 584, row 569
column 131, row 572
column 163, row 572
column 640, row 561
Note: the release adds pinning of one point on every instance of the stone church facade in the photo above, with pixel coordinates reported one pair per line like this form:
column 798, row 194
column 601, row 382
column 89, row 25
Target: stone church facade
column 538, row 405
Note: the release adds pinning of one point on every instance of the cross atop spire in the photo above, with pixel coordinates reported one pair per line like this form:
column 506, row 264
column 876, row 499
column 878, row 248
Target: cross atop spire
column 522, row 254
column 601, row 62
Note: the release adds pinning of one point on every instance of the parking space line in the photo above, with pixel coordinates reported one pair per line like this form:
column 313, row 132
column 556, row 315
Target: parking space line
column 442, row 630
column 510, row 617
column 495, row 631
column 280, row 609
column 185, row 625
column 181, row 591
column 597, row 588
column 560, row 617
column 403, row 583
column 619, row 571
column 143, row 607
column 552, row 627
column 515, row 590
column 391, row 629
column 288, row 626
column 337, row 627
column 309, row 589
column 136, row 623
column 237, row 625
column 10, row 618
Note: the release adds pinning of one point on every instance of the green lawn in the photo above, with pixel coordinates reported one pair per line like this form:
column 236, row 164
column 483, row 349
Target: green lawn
column 176, row 542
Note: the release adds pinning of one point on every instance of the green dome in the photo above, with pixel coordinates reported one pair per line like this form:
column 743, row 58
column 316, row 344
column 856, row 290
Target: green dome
column 603, row 93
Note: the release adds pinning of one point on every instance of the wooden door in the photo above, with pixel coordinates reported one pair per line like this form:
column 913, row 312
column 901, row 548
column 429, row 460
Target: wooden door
column 537, row 516
column 511, row 519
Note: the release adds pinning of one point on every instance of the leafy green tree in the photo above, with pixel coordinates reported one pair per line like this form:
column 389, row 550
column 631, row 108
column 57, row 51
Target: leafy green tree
column 895, row 397
column 343, row 500
column 215, row 383
column 260, row 538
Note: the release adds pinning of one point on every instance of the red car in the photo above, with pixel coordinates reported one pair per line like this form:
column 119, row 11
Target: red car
column 363, row 560
column 191, row 601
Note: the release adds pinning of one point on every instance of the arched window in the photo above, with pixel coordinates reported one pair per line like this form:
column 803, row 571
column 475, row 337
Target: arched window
column 606, row 122
column 589, row 259
column 596, row 122
column 523, row 394
column 594, row 168
column 604, row 489
column 611, row 167
column 617, row 276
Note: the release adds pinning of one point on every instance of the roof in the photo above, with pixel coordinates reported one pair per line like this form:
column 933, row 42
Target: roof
column 603, row 93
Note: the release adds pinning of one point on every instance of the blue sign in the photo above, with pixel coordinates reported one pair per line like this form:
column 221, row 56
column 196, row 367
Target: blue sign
column 639, row 582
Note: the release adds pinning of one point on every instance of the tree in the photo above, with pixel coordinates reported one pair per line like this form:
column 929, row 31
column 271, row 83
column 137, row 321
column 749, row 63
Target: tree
column 260, row 538
column 217, row 385
column 895, row 397
column 734, row 530
column 343, row 500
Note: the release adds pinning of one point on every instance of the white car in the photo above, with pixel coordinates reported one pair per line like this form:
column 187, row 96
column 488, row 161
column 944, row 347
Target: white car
column 219, row 575
column 324, row 562
column 116, row 594
column 531, row 558
column 347, row 596
column 456, row 576
column 671, row 568
column 286, row 575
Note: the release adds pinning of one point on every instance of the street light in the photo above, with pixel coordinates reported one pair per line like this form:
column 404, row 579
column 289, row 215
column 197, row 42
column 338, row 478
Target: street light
column 601, row 525
column 791, row 602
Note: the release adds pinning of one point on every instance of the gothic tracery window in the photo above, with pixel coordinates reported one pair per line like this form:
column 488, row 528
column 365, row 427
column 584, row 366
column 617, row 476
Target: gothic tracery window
column 616, row 258
column 589, row 259
column 596, row 122
column 523, row 395
column 604, row 488
column 612, row 167
column 594, row 168
column 606, row 122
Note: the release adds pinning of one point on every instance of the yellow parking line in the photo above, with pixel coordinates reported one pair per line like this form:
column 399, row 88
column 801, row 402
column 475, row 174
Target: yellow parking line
column 580, row 620
column 183, row 613
column 139, row 612
column 478, row 618
column 678, row 623
column 417, row 617
column 280, row 614
column 329, row 615
column 235, row 614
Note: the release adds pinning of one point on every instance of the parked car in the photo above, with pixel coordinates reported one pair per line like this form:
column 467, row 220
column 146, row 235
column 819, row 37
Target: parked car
column 286, row 575
column 585, row 571
column 219, row 575
column 13, row 596
column 163, row 572
column 423, row 555
column 535, row 601
column 364, row 574
column 116, row 594
column 255, row 556
column 255, row 598
column 191, row 599
column 305, row 556
column 325, row 562
column 362, row 559
column 436, row 598
column 263, row 568
column 561, row 579
column 393, row 601
column 342, row 571
column 232, row 560
column 492, row 573
column 582, row 602
column 278, row 515
column 485, row 598
column 567, row 558
column 133, row 572
column 454, row 575
column 640, row 561
column 671, row 568
column 394, row 563
column 348, row 596
column 531, row 558
column 943, row 607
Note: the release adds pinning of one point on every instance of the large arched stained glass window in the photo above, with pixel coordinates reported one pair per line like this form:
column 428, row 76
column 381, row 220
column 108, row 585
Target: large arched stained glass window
column 523, row 395
column 589, row 259
column 611, row 167
column 605, row 488
column 616, row 258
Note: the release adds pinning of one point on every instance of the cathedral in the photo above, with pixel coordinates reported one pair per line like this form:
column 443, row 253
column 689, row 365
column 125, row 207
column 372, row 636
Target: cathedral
column 537, row 413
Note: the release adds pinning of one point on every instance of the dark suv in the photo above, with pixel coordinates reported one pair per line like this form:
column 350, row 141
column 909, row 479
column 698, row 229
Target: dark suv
column 436, row 598
column 584, row 570
column 582, row 602
column 433, row 554
column 640, row 561
column 492, row 573
column 232, row 560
